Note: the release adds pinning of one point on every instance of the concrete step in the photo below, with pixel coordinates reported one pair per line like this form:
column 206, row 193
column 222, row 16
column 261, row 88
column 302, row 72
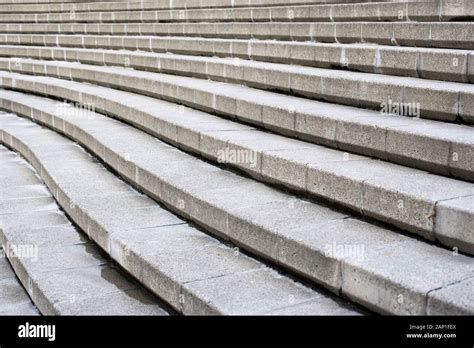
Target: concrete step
column 440, row 148
column 423, row 34
column 293, row 233
column 412, row 97
column 138, row 5
column 447, row 10
column 437, row 64
column 63, row 272
column 193, row 272
column 13, row 298
column 414, row 200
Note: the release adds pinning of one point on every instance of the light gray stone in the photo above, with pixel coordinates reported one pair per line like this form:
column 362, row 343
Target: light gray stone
column 131, row 302
column 454, row 222
column 455, row 299
column 445, row 65
column 258, row 291
column 12, row 296
column 452, row 35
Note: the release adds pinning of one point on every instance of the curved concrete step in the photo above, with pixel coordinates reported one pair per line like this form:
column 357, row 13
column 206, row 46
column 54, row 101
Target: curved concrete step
column 446, row 10
column 165, row 4
column 13, row 298
column 423, row 34
column 437, row 64
column 428, row 145
column 445, row 101
column 191, row 271
column 63, row 272
column 306, row 238
column 431, row 206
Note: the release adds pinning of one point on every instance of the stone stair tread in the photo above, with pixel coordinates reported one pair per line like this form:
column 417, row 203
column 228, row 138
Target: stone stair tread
column 63, row 266
column 425, row 34
column 430, row 63
column 350, row 180
column 347, row 128
column 215, row 209
column 168, row 273
column 394, row 11
column 237, row 157
column 13, row 298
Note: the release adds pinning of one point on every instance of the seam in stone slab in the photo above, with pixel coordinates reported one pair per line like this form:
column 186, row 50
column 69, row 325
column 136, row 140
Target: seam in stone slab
column 432, row 291
column 453, row 198
column 470, row 62
column 226, row 275
column 153, row 227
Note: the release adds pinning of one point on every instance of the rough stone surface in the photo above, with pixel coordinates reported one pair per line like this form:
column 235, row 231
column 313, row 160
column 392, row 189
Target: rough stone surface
column 229, row 152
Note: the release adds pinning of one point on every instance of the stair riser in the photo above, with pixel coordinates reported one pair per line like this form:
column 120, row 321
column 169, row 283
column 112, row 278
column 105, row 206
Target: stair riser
column 445, row 65
column 448, row 104
column 367, row 12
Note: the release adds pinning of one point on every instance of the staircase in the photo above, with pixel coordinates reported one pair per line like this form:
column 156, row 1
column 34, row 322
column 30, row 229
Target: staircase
column 262, row 157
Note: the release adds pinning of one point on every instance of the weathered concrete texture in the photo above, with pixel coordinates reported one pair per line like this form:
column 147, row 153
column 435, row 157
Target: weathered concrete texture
column 458, row 296
column 457, row 211
column 366, row 132
column 405, row 34
column 216, row 208
column 60, row 269
column 318, row 135
column 444, row 64
column 354, row 181
column 422, row 11
column 13, row 298
column 372, row 91
column 88, row 5
column 116, row 221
